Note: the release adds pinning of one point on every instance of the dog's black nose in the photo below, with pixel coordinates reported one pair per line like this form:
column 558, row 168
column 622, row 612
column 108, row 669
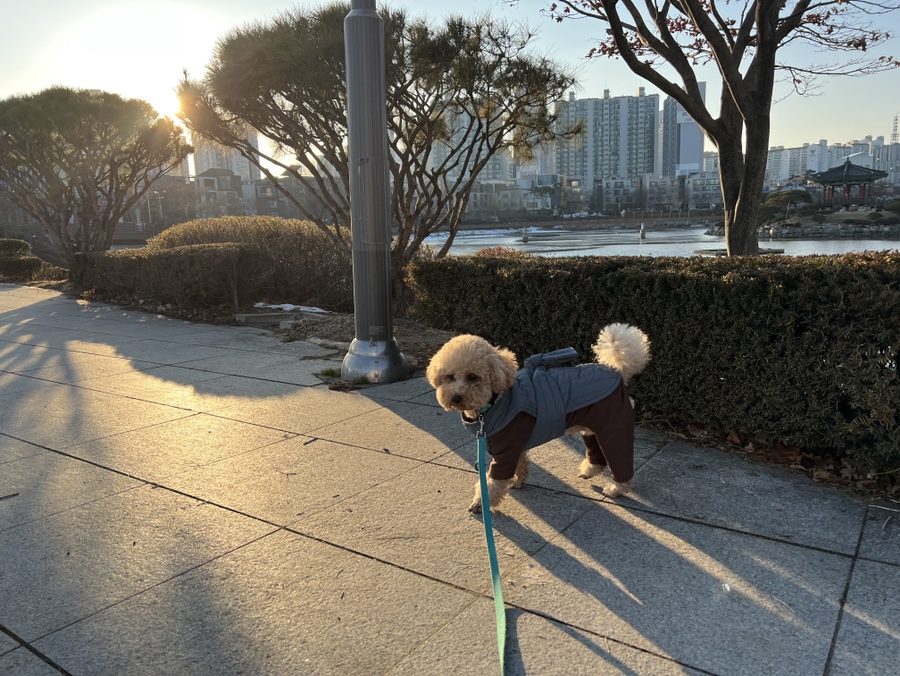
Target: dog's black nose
column 456, row 399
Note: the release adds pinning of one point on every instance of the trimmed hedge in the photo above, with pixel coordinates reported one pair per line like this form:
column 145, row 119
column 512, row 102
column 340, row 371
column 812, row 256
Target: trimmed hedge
column 189, row 278
column 798, row 350
column 17, row 263
column 14, row 248
column 307, row 266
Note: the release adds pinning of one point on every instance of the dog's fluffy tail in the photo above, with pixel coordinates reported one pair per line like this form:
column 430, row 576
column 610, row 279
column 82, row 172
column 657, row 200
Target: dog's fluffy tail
column 623, row 347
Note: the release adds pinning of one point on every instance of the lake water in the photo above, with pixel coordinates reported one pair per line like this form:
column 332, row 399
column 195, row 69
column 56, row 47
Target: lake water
column 627, row 242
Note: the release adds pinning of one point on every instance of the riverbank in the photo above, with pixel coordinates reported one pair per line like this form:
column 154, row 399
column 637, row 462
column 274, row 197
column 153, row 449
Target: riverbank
column 839, row 225
column 830, row 231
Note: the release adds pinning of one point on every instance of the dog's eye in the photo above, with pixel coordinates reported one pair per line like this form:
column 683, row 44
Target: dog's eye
column 472, row 378
column 449, row 378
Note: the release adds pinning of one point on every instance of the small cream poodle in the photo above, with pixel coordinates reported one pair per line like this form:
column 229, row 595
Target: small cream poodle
column 519, row 409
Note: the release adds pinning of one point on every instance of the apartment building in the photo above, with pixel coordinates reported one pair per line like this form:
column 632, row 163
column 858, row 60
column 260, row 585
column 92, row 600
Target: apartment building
column 208, row 156
column 786, row 166
column 620, row 138
column 682, row 139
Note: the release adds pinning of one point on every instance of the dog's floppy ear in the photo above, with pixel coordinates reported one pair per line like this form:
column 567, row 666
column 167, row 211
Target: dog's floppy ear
column 433, row 370
column 502, row 367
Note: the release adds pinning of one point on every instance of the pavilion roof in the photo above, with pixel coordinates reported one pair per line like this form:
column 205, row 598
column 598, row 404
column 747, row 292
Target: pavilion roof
column 848, row 173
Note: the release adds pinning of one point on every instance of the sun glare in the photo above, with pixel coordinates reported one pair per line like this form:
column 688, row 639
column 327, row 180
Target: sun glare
column 165, row 106
column 137, row 50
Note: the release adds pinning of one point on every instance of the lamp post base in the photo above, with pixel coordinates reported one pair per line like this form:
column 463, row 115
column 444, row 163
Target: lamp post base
column 378, row 361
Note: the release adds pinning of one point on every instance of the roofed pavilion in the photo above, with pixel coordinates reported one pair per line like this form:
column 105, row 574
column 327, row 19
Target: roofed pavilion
column 846, row 178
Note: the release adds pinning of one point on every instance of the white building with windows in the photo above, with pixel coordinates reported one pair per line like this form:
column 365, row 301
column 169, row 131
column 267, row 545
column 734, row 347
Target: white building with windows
column 788, row 166
column 619, row 139
column 208, row 156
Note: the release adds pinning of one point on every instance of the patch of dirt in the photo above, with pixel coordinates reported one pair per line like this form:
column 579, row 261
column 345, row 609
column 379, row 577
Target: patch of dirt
column 417, row 341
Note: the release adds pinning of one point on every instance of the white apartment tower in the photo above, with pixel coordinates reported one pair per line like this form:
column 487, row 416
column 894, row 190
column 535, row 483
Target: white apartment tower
column 207, row 156
column 619, row 139
column 682, row 139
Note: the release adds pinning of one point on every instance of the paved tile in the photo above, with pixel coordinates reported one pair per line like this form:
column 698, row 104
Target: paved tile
column 7, row 644
column 168, row 385
column 11, row 383
column 21, row 662
column 881, row 538
column 869, row 638
column 50, row 483
column 206, row 334
column 427, row 399
column 411, row 430
column 534, row 645
column 167, row 351
column 300, row 372
column 62, row 415
column 15, row 357
column 71, row 367
column 420, row 521
column 252, row 339
column 155, row 452
column 283, row 605
column 13, row 449
column 284, row 481
column 699, row 595
column 65, row 567
column 720, row 488
column 405, row 390
column 286, row 407
column 242, row 363
column 49, row 337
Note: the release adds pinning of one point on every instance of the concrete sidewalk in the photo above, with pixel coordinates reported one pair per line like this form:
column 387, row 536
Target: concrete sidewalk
column 182, row 498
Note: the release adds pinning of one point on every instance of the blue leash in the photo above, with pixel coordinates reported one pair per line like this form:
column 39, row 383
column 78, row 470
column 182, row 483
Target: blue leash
column 499, row 608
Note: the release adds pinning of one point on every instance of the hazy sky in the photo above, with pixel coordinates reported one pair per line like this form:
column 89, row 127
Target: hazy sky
column 139, row 49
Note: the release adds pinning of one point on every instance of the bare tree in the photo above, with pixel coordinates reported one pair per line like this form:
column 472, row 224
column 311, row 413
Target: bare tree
column 744, row 39
column 457, row 94
column 77, row 160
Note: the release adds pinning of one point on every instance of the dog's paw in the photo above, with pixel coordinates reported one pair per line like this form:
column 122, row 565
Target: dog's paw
column 517, row 482
column 617, row 489
column 475, row 508
column 588, row 471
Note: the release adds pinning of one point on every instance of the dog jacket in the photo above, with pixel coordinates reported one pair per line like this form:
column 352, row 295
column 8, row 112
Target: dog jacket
column 546, row 399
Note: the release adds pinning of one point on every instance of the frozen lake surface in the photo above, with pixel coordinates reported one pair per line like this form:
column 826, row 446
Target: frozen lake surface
column 627, row 242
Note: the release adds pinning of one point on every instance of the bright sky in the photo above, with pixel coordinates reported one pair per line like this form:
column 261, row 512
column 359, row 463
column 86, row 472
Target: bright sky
column 139, row 49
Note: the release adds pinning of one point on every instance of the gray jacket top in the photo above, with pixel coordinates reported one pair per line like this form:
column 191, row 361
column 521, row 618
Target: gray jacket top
column 548, row 392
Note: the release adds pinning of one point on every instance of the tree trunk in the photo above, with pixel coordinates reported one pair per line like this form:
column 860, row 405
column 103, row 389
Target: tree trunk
column 742, row 178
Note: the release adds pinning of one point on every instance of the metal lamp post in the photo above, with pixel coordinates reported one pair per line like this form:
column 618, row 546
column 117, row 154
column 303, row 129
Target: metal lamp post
column 373, row 354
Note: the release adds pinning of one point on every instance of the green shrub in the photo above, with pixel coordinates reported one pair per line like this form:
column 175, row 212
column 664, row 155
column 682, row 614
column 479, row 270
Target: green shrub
column 799, row 350
column 308, row 267
column 502, row 252
column 17, row 263
column 190, row 278
column 21, row 268
column 14, row 248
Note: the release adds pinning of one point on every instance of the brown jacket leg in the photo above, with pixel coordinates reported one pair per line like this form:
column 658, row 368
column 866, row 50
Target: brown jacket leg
column 612, row 422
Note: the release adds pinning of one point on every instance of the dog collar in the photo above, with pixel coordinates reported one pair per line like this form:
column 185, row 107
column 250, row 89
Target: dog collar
column 484, row 409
